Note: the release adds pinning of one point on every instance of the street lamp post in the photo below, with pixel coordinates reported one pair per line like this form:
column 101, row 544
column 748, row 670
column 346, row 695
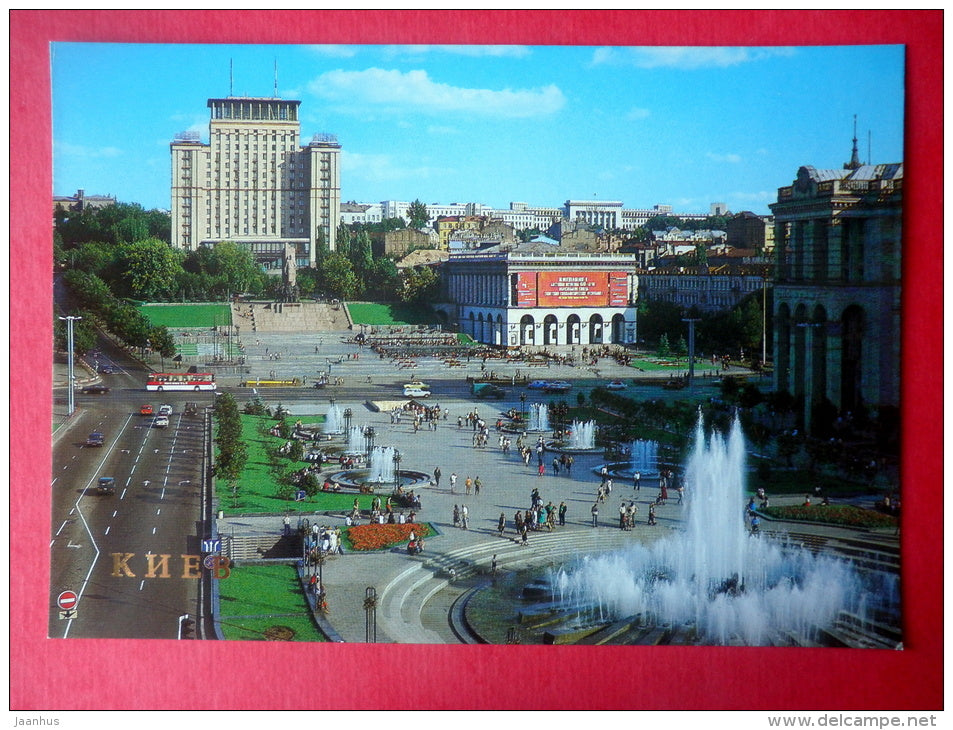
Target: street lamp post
column 70, row 397
column 396, row 469
column 369, row 440
column 348, row 413
column 691, row 351
column 523, row 410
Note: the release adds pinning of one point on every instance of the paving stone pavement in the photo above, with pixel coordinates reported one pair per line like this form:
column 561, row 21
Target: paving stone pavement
column 421, row 582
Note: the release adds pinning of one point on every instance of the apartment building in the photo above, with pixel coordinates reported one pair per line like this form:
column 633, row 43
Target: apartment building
column 255, row 182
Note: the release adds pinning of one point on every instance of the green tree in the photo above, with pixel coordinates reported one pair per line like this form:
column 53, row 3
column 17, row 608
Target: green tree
column 418, row 214
column 151, row 269
column 339, row 279
column 420, row 285
column 664, row 349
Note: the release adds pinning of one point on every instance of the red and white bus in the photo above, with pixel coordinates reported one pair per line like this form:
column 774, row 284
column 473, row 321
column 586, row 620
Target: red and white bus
column 181, row 381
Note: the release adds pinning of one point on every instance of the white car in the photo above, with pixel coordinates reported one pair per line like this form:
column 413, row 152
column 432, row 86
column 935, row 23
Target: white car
column 161, row 422
column 615, row 385
column 416, row 393
column 165, row 410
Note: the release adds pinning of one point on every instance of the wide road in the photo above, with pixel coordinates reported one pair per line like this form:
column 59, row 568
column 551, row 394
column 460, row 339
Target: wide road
column 111, row 549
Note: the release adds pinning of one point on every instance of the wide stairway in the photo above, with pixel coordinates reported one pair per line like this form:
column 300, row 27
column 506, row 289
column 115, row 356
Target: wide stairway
column 289, row 317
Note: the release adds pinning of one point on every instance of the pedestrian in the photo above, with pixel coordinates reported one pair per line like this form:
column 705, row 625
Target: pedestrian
column 637, row 481
column 623, row 515
column 453, row 481
column 501, row 525
column 541, row 469
column 562, row 514
column 465, row 516
column 595, row 514
column 287, row 525
column 477, row 485
column 555, row 467
column 651, row 514
column 608, row 487
column 469, row 485
column 456, row 516
column 436, row 477
column 604, row 474
column 523, row 536
column 569, row 462
column 493, row 566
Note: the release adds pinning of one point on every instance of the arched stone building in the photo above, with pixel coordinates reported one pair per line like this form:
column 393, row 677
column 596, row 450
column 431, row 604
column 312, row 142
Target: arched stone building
column 837, row 289
column 512, row 299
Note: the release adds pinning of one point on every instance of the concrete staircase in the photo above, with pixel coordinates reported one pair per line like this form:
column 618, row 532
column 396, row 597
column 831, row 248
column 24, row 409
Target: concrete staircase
column 289, row 317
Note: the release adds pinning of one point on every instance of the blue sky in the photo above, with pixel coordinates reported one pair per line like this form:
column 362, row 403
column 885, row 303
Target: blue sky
column 493, row 124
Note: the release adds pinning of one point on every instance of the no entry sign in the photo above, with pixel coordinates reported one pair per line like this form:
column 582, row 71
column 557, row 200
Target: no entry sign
column 67, row 600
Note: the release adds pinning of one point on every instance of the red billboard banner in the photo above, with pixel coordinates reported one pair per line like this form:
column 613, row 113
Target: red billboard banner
column 526, row 289
column 581, row 289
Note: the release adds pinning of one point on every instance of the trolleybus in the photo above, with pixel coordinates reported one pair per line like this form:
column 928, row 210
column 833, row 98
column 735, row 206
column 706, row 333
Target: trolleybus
column 181, row 381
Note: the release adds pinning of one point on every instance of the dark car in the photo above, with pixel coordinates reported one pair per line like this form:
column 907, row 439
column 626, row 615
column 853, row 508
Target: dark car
column 95, row 439
column 108, row 370
column 96, row 389
column 106, row 485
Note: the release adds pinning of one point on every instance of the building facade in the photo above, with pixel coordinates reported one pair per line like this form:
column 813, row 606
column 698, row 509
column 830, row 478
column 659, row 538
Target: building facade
column 513, row 299
column 255, row 183
column 704, row 288
column 837, row 291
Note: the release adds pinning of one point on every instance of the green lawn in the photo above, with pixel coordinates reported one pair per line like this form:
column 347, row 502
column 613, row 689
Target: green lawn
column 259, row 483
column 255, row 598
column 188, row 315
column 375, row 313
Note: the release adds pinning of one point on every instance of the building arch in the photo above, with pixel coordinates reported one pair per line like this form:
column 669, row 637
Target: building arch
column 527, row 330
column 782, row 327
column 596, row 329
column 550, row 330
column 618, row 329
column 573, row 330
column 853, row 323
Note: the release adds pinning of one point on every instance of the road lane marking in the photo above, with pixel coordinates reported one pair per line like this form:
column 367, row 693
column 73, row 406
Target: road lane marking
column 107, row 530
column 61, row 527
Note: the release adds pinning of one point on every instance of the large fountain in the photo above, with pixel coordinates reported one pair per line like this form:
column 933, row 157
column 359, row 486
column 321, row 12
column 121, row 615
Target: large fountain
column 582, row 436
column 717, row 583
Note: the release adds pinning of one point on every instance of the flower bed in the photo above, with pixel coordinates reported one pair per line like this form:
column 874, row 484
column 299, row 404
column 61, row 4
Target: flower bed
column 842, row 515
column 379, row 537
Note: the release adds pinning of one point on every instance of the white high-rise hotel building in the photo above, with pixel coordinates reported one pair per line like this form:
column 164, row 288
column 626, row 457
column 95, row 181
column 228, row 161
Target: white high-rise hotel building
column 254, row 183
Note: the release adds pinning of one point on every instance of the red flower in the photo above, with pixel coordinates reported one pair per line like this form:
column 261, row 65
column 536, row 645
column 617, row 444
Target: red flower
column 377, row 537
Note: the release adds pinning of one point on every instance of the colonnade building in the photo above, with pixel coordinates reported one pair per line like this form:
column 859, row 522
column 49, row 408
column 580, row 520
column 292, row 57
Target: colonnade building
column 254, row 183
column 514, row 299
column 837, row 288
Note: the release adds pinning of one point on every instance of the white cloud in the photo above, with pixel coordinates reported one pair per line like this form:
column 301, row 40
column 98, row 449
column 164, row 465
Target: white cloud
column 730, row 157
column 328, row 50
column 384, row 168
column 415, row 91
column 77, row 150
column 685, row 57
column 636, row 113
column 460, row 50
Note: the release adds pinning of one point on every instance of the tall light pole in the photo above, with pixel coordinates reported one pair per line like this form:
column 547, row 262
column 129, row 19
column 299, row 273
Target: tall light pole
column 691, row 351
column 70, row 398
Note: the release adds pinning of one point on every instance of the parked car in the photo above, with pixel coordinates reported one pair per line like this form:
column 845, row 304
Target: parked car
column 106, row 485
column 95, row 439
column 615, row 385
column 161, row 422
column 416, row 393
column 165, row 410
column 96, row 389
column 488, row 390
column 145, row 410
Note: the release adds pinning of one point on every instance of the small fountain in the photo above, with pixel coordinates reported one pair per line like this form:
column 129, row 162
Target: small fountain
column 583, row 436
column 643, row 457
column 381, row 465
column 333, row 420
column 355, row 440
column 538, row 417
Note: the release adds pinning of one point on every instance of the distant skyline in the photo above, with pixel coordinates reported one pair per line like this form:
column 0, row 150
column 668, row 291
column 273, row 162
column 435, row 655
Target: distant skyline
column 685, row 126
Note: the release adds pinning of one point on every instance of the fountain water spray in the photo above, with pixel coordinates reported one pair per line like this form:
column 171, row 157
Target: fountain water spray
column 538, row 417
column 381, row 465
column 716, row 583
column 583, row 435
column 332, row 421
